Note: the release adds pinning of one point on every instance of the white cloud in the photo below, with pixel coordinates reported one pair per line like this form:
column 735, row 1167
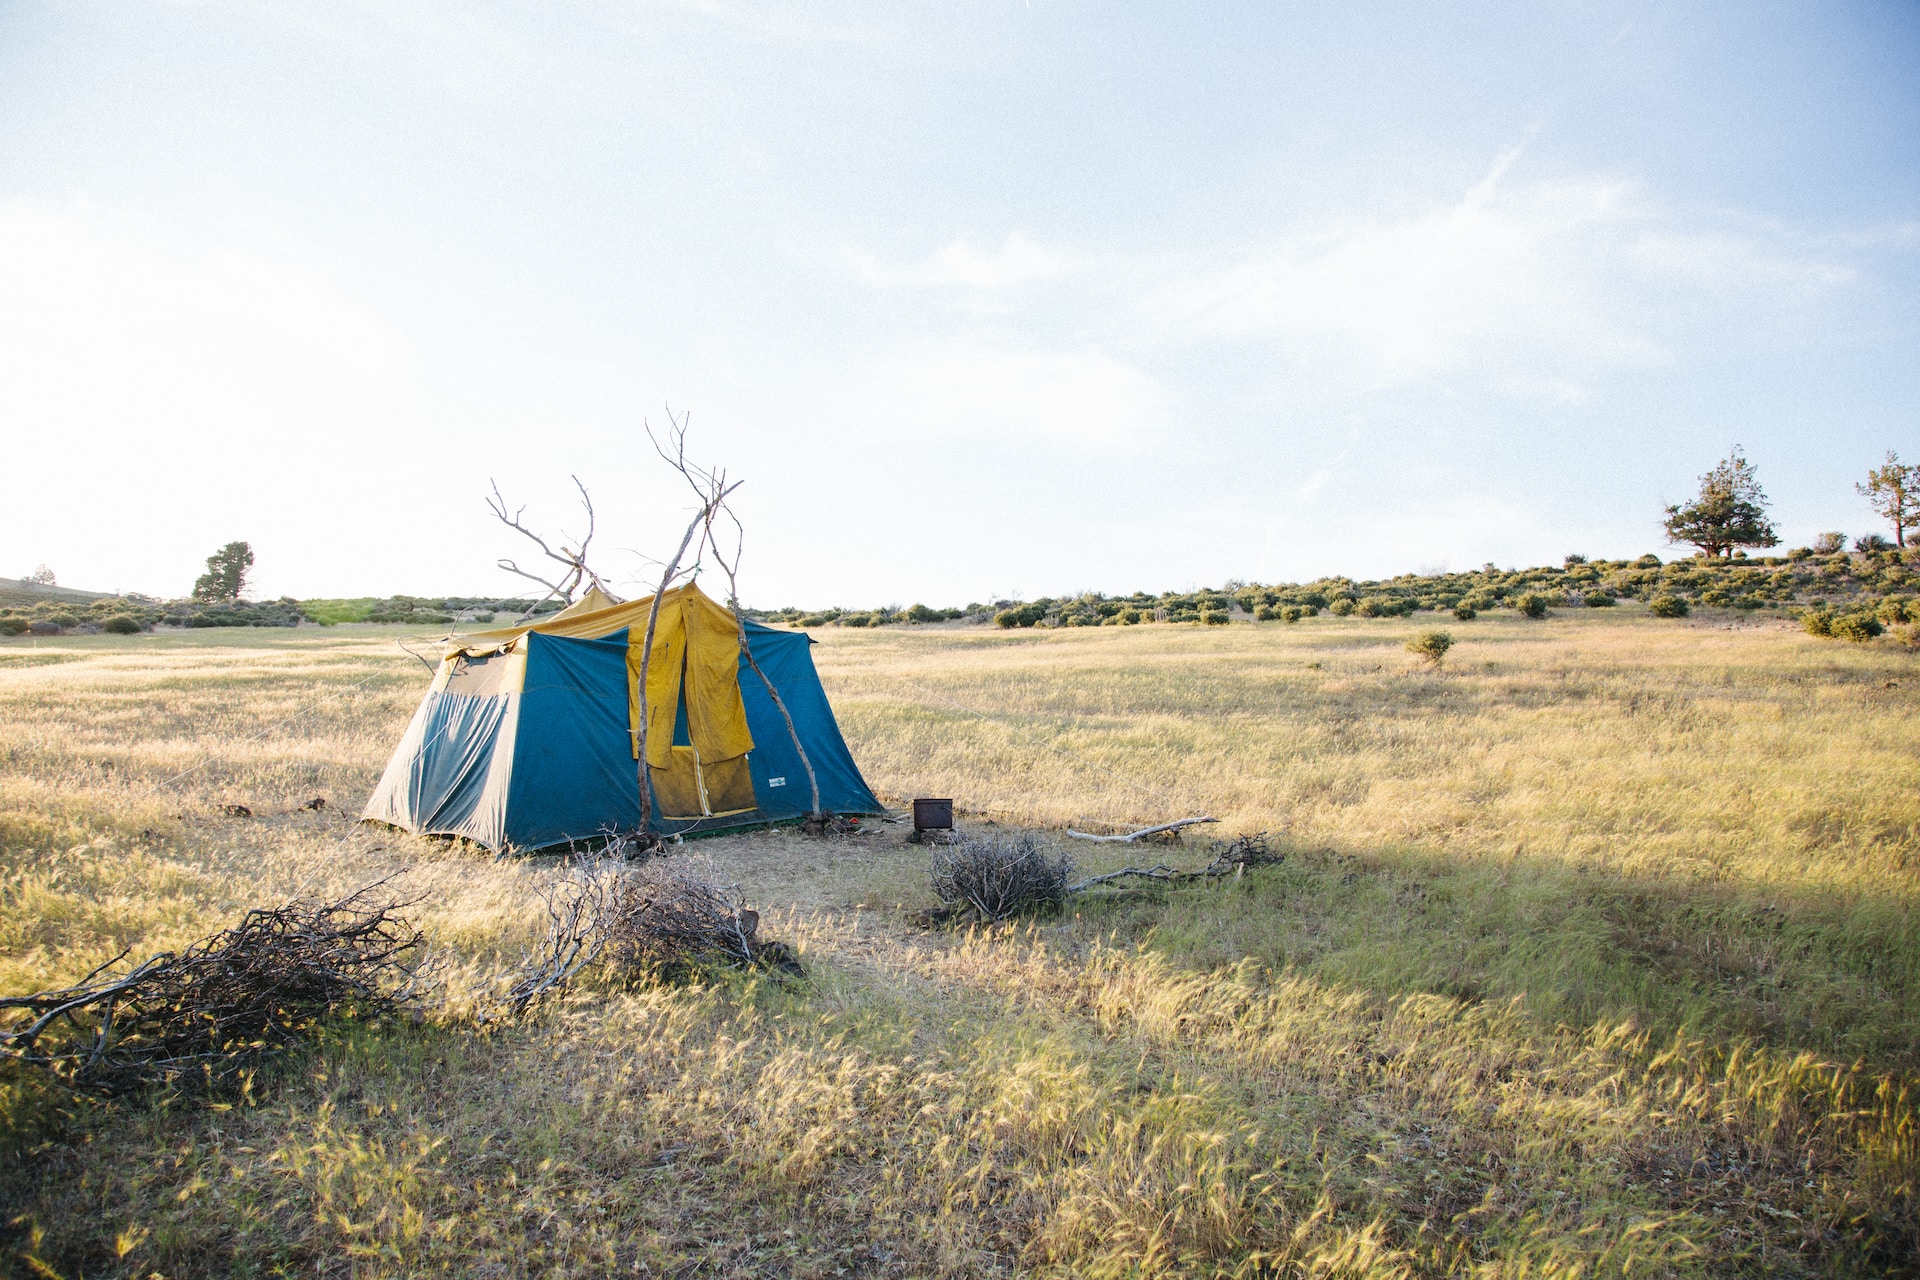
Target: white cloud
column 965, row 389
column 1018, row 261
column 1511, row 286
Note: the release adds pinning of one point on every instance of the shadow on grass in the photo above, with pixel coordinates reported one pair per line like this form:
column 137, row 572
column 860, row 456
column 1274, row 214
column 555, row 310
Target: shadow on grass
column 1834, row 975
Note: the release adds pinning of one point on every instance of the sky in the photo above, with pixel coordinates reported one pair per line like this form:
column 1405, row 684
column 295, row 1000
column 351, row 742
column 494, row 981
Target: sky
column 986, row 300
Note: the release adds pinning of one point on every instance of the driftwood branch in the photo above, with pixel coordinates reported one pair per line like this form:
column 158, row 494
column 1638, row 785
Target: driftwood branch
column 1131, row 836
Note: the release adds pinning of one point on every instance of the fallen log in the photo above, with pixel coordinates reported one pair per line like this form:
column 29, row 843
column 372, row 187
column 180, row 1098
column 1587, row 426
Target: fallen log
column 1131, row 836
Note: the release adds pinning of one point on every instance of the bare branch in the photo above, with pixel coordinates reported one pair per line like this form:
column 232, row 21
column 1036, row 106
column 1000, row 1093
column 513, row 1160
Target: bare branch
column 578, row 571
column 732, row 569
column 1131, row 836
column 1232, row 859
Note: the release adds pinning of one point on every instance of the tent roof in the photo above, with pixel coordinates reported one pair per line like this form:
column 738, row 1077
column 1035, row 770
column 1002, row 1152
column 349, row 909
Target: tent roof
column 592, row 617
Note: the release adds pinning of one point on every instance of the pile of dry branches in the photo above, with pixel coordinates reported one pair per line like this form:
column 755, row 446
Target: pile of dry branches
column 212, row 1011
column 661, row 918
column 996, row 877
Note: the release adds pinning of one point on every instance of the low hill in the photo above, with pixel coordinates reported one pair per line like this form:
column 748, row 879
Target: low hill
column 18, row 591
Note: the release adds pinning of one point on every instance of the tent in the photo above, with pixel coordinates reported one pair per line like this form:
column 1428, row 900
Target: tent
column 529, row 736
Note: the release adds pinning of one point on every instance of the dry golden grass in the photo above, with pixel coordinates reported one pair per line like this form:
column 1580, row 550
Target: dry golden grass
column 1593, row 954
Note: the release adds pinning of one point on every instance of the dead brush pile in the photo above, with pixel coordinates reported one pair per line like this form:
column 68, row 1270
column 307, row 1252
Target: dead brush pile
column 212, row 1012
column 661, row 918
column 997, row 877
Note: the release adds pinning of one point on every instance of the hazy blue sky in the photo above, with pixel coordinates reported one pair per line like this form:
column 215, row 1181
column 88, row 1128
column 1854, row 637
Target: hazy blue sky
column 978, row 298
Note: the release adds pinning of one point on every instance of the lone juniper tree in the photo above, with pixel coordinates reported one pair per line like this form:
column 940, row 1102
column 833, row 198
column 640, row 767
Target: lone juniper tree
column 1893, row 490
column 226, row 575
column 1730, row 512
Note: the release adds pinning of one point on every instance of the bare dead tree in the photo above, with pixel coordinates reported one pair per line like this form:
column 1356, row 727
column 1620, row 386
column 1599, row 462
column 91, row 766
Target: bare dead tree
column 575, row 573
column 731, row 567
column 711, row 488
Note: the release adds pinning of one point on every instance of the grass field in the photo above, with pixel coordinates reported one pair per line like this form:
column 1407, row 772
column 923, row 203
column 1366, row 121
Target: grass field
column 1594, row 953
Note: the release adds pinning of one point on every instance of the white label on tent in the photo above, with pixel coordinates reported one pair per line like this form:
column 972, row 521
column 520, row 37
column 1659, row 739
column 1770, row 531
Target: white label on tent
column 776, row 782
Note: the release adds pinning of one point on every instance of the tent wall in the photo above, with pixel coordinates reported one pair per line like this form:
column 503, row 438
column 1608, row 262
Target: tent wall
column 574, row 775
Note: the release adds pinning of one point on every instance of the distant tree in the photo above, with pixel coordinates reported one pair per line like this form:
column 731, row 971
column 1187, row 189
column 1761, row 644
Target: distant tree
column 1872, row 542
column 226, row 575
column 42, row 577
column 1828, row 543
column 1730, row 512
column 1893, row 491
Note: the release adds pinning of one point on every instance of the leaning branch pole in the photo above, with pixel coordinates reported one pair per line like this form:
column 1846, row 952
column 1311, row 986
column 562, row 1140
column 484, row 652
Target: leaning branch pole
column 667, row 576
column 813, row 782
column 646, row 662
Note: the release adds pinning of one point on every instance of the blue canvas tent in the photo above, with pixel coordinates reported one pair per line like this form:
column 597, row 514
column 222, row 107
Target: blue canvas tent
column 528, row 736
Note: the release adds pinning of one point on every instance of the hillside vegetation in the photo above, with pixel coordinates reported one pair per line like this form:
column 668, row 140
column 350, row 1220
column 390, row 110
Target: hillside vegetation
column 1593, row 953
column 1879, row 583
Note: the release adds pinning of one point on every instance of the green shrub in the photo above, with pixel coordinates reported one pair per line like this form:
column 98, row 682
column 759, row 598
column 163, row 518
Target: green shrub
column 1266, row 613
column 1021, row 615
column 1896, row 609
column 64, row 621
column 1817, row 622
column 1856, row 627
column 1600, row 600
column 1214, row 618
column 1531, row 604
column 1465, row 612
column 1667, row 605
column 1128, row 617
column 1716, row 597
column 1430, row 646
column 1292, row 612
column 854, row 620
column 1341, row 608
column 1373, row 607
column 12, row 626
column 121, row 624
column 1313, row 602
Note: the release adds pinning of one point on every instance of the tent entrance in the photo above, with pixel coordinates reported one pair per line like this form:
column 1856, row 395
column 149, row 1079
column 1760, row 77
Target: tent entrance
column 689, row 787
